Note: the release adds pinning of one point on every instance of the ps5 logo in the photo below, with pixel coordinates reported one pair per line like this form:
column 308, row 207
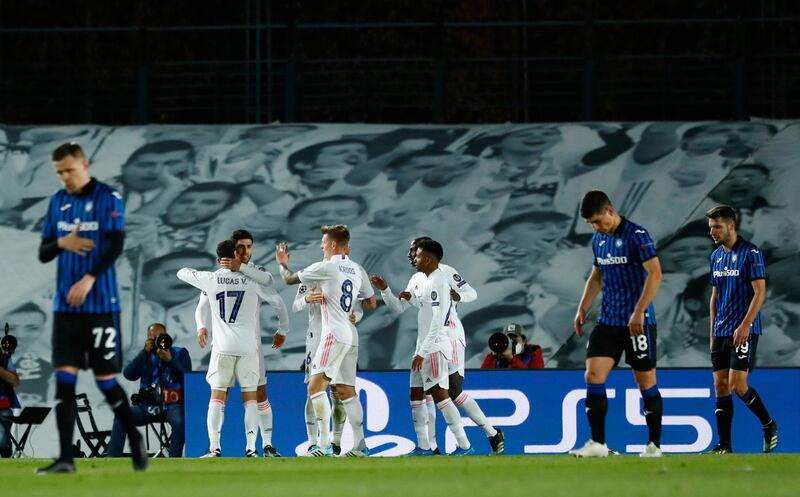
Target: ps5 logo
column 569, row 433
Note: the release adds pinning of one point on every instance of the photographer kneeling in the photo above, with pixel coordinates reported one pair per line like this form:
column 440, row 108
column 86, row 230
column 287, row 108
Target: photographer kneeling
column 159, row 369
column 511, row 350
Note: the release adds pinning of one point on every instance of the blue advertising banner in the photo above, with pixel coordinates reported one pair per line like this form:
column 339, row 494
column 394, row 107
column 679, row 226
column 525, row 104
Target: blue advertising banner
column 541, row 412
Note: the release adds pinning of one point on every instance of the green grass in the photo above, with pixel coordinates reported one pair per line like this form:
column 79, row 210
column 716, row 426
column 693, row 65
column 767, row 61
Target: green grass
column 771, row 475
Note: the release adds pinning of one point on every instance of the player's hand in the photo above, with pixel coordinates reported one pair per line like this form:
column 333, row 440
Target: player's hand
column 148, row 345
column 416, row 364
column 404, row 296
column 454, row 296
column 277, row 340
column 232, row 264
column 202, row 337
column 352, row 317
column 379, row 282
column 164, row 355
column 580, row 320
column 636, row 323
column 75, row 243
column 282, row 253
column 77, row 294
column 314, row 297
column 740, row 336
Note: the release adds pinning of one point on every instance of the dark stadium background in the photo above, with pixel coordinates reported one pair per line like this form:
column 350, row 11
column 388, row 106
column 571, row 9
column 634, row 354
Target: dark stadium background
column 181, row 61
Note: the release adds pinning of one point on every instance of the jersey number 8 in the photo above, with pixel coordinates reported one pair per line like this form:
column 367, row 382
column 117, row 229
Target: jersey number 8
column 347, row 296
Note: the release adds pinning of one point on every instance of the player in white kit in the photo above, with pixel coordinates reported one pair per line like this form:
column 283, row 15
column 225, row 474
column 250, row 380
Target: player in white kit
column 429, row 368
column 340, row 281
column 310, row 298
column 242, row 263
column 236, row 299
column 460, row 291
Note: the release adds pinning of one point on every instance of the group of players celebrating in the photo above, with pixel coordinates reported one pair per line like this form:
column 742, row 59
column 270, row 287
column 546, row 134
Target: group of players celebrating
column 84, row 230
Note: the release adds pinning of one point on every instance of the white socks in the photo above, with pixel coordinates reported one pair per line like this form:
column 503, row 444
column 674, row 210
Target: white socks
column 265, row 422
column 453, row 419
column 431, row 405
column 419, row 414
column 355, row 414
column 322, row 411
column 216, row 414
column 311, row 423
column 475, row 413
column 339, row 416
column 251, row 423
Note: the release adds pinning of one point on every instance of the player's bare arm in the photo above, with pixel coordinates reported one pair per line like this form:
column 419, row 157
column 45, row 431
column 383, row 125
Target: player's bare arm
column 759, row 297
column 651, row 284
column 594, row 284
column 282, row 258
column 369, row 304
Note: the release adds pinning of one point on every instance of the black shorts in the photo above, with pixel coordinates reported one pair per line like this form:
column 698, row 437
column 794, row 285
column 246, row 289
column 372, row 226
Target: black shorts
column 87, row 340
column 611, row 341
column 725, row 356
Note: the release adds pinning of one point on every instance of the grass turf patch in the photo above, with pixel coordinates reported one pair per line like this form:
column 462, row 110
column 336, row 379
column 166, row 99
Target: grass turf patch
column 672, row 476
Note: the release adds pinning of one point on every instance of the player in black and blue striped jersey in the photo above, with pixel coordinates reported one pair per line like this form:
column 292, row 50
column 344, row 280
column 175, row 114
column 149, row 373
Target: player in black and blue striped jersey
column 626, row 269
column 84, row 229
column 739, row 289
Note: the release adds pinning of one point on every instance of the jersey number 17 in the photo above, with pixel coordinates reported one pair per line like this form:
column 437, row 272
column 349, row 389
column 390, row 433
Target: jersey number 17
column 239, row 295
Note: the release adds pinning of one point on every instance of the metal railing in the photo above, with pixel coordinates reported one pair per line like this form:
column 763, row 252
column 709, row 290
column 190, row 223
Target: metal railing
column 263, row 70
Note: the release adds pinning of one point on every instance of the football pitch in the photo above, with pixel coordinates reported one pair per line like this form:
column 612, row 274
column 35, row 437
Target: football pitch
column 673, row 476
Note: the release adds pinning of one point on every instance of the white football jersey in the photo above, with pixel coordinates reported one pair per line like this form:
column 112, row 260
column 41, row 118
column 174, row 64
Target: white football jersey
column 342, row 282
column 435, row 295
column 259, row 275
column 467, row 294
column 314, row 316
column 415, row 287
column 234, row 300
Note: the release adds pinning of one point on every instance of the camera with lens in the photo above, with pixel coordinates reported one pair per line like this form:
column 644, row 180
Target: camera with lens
column 500, row 342
column 163, row 341
column 8, row 344
column 150, row 396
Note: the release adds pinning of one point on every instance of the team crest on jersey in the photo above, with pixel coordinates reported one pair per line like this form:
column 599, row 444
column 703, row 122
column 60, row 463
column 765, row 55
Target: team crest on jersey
column 733, row 258
column 457, row 277
column 434, row 295
column 618, row 243
column 303, row 289
column 89, row 206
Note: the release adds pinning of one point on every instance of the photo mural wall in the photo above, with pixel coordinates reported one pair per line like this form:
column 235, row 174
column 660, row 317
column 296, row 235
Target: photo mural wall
column 502, row 199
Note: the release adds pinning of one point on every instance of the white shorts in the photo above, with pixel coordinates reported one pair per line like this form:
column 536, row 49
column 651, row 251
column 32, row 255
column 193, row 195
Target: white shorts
column 434, row 372
column 335, row 360
column 223, row 369
column 312, row 343
column 456, row 362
